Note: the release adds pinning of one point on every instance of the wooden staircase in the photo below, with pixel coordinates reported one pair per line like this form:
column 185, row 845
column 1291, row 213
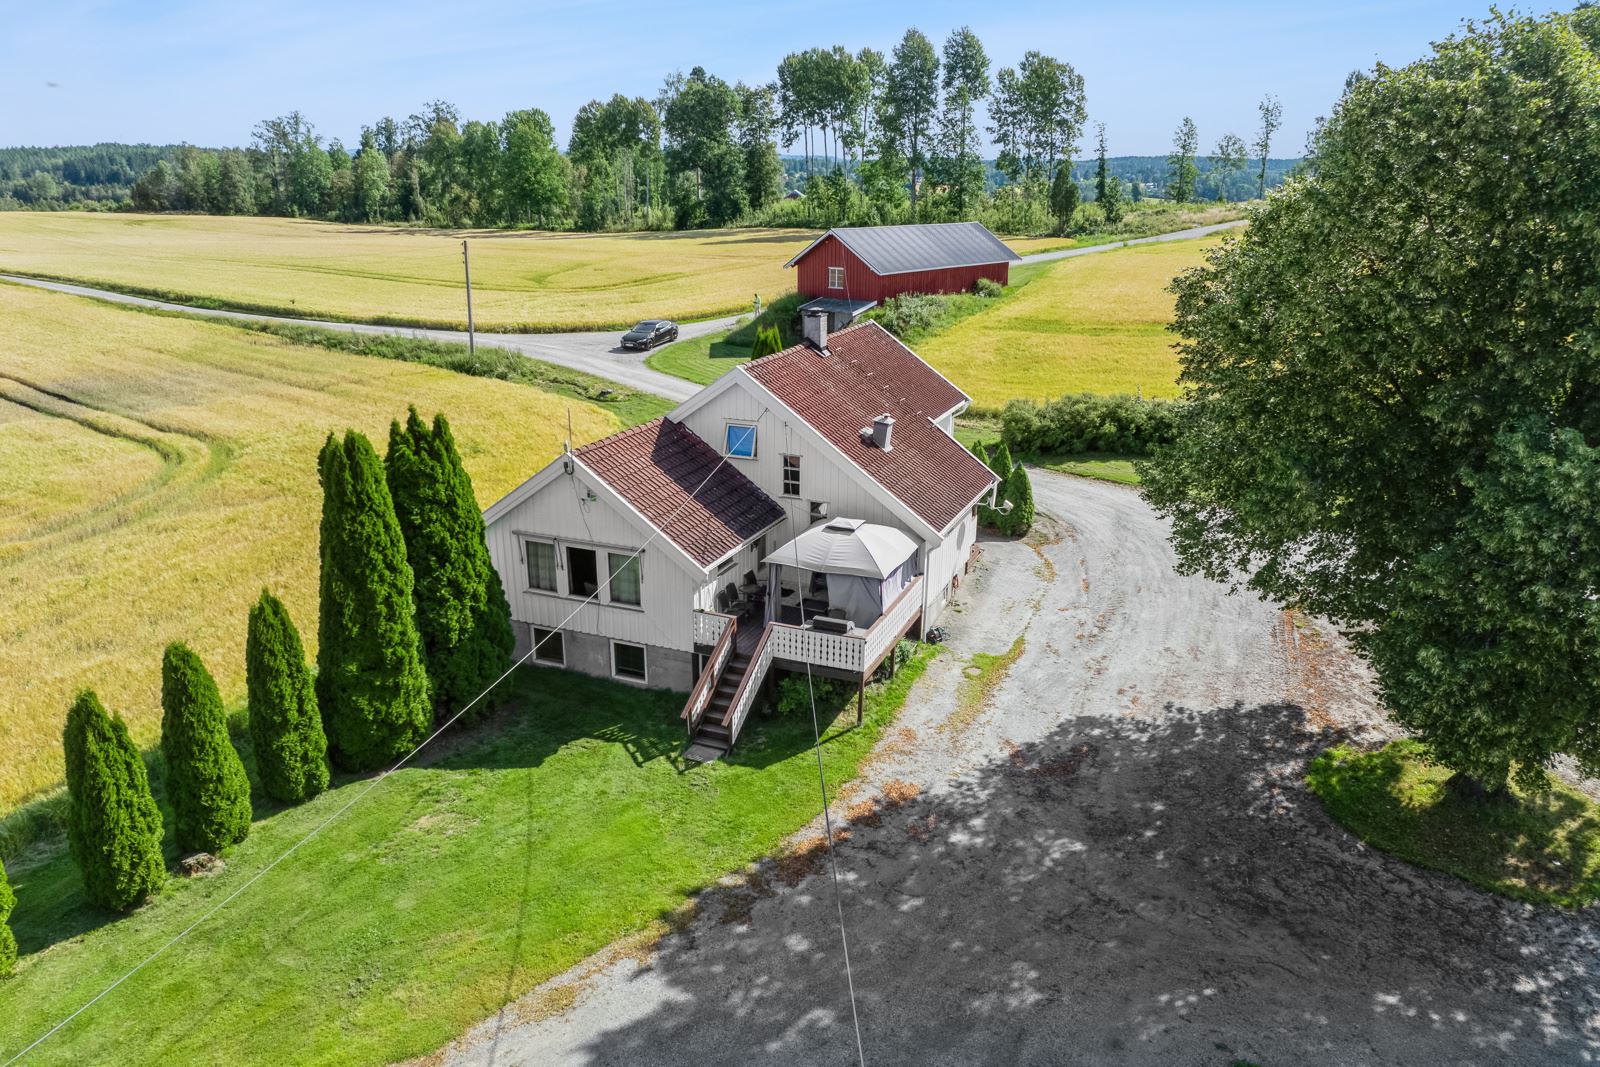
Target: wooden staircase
column 712, row 732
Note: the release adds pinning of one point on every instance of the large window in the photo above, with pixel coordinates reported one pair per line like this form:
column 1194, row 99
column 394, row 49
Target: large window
column 583, row 572
column 835, row 277
column 741, row 441
column 791, row 475
column 627, row 661
column 624, row 578
column 541, row 565
column 548, row 647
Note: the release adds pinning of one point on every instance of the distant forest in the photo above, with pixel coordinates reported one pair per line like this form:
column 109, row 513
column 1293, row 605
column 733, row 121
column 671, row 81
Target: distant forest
column 874, row 138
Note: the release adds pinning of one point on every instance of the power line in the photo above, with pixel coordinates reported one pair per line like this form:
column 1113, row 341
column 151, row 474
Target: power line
column 373, row 784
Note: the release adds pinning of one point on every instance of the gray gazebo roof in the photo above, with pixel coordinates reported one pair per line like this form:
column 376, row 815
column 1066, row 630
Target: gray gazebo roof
column 846, row 546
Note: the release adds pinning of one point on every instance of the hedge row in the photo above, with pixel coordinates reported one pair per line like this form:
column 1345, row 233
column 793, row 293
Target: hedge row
column 1089, row 422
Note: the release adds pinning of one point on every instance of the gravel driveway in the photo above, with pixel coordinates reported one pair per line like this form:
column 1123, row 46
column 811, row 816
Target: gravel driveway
column 1114, row 862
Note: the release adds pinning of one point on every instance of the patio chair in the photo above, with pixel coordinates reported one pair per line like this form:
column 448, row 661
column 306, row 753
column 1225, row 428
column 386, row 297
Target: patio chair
column 748, row 585
column 737, row 605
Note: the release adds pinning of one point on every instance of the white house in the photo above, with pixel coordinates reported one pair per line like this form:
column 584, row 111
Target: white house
column 847, row 436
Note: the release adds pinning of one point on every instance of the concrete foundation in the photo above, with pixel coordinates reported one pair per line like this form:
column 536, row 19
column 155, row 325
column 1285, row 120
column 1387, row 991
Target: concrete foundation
column 665, row 668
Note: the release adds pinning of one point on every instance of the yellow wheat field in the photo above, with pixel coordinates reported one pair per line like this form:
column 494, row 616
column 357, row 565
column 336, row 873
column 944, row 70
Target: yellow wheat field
column 156, row 472
column 521, row 281
column 1093, row 324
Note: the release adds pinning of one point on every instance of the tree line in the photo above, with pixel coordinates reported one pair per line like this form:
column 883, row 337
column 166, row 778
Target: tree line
column 413, row 624
column 890, row 137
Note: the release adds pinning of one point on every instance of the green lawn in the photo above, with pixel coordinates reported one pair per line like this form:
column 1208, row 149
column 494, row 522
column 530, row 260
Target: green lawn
column 534, row 840
column 1108, row 467
column 700, row 359
column 1542, row 848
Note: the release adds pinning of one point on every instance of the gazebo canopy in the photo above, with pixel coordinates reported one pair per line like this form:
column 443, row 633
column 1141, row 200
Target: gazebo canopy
column 847, row 546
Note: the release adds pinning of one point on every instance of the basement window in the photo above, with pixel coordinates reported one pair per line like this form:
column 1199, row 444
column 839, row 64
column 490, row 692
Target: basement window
column 627, row 661
column 548, row 647
column 835, row 277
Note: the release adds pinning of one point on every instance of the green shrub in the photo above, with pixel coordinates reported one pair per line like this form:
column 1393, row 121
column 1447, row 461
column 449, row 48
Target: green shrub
column 371, row 683
column 8, row 940
column 988, row 288
column 1019, row 492
column 206, row 783
column 462, row 614
column 795, row 692
column 113, row 825
column 1000, row 460
column 768, row 341
column 911, row 314
column 1089, row 422
column 783, row 314
column 285, row 725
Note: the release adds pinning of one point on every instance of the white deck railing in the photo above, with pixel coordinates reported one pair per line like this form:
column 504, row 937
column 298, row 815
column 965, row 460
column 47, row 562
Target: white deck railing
column 708, row 626
column 745, row 697
column 892, row 623
column 856, row 651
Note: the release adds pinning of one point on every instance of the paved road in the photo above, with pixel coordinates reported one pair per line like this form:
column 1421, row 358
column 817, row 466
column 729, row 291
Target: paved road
column 593, row 352
column 1115, row 863
column 1176, row 235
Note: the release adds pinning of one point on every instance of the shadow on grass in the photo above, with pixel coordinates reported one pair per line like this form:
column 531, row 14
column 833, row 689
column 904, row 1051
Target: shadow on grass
column 1543, row 848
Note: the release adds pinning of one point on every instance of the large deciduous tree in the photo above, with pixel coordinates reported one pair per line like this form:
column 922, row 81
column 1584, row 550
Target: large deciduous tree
column 1181, row 169
column 206, row 783
column 965, row 81
column 285, row 724
column 371, row 684
column 533, row 185
column 1036, row 117
column 1227, row 159
column 1395, row 394
column 1271, row 113
column 113, row 824
column 907, row 106
column 462, row 612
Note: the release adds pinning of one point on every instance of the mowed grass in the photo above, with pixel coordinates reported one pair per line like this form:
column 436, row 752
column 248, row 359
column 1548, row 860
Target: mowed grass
column 156, row 472
column 555, row 828
column 1092, row 324
column 521, row 281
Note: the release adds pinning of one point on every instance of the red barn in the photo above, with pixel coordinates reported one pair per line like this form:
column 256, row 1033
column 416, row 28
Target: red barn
column 854, row 267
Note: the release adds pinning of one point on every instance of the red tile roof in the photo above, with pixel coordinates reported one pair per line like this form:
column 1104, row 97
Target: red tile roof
column 661, row 469
column 867, row 373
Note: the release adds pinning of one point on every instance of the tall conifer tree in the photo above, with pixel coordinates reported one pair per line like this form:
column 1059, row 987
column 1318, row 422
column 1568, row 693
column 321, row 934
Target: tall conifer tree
column 206, row 782
column 113, row 824
column 285, row 725
column 371, row 684
column 8, row 940
column 462, row 612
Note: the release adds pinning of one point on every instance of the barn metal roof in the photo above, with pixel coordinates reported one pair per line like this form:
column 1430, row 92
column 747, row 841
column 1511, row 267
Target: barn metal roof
column 920, row 246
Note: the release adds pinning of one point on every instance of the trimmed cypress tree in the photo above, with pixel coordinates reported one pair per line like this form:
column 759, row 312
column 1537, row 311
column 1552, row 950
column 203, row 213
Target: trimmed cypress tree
column 462, row 614
column 371, row 684
column 768, row 341
column 113, row 824
column 1019, row 490
column 8, row 940
column 206, row 783
column 285, row 725
column 1000, row 460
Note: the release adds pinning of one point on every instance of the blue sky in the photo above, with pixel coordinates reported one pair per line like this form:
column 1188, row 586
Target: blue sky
column 205, row 72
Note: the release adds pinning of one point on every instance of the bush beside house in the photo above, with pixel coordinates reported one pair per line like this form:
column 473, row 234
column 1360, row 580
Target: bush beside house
column 8, row 940
column 1089, row 422
column 462, row 615
column 285, row 724
column 113, row 824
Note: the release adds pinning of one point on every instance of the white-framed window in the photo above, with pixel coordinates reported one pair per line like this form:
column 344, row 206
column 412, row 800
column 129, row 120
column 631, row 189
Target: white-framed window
column 791, row 475
column 541, row 559
column 549, row 647
column 583, row 571
column 626, row 578
column 628, row 661
column 835, row 277
column 740, row 440
column 727, row 565
column 819, row 510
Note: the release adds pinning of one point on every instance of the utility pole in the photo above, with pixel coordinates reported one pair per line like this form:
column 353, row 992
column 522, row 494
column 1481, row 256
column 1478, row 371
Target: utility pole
column 472, row 343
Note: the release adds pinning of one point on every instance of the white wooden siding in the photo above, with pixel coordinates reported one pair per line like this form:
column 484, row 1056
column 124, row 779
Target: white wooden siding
column 560, row 511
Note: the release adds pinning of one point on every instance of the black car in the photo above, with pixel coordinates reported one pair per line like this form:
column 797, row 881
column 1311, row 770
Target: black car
column 649, row 333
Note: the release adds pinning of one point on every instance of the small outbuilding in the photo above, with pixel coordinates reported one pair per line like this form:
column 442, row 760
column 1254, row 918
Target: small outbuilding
column 863, row 265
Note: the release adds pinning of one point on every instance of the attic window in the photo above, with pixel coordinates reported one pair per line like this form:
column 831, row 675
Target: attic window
column 740, row 442
column 835, row 277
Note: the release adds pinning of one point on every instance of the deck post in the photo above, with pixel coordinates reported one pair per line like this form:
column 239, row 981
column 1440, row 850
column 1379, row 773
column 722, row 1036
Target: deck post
column 894, row 657
column 861, row 699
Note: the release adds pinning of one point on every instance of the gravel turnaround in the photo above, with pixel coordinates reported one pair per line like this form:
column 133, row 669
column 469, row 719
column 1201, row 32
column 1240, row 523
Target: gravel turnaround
column 1111, row 860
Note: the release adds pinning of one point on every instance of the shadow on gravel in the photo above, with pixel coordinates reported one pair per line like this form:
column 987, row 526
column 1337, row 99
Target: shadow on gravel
column 1133, row 892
